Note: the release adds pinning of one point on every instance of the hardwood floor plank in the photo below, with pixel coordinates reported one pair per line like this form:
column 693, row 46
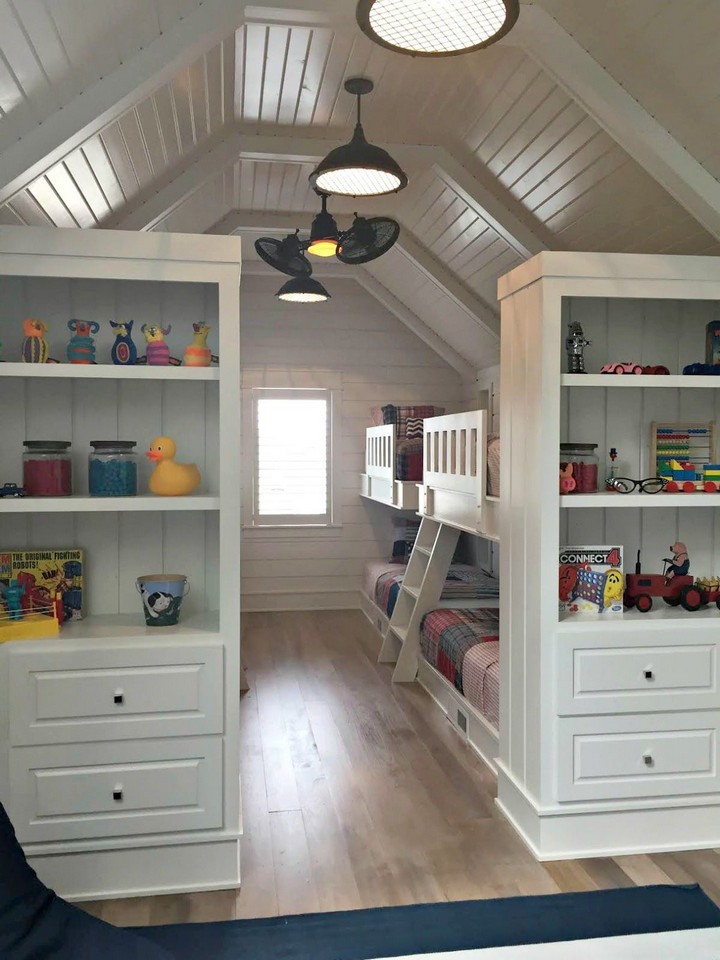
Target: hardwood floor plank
column 293, row 872
column 642, row 870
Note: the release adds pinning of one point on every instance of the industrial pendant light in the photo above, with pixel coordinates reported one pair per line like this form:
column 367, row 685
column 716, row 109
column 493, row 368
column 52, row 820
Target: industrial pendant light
column 324, row 233
column 436, row 28
column 359, row 168
column 302, row 290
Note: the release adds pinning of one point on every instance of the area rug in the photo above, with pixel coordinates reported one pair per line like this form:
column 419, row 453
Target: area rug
column 444, row 927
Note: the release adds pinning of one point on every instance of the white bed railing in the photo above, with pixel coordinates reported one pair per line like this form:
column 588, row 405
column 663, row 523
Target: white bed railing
column 454, row 488
column 378, row 482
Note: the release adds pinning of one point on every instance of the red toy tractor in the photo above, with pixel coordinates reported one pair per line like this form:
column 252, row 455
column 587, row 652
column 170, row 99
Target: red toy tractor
column 640, row 588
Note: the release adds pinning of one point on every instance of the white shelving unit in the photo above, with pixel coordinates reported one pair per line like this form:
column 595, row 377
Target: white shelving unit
column 119, row 741
column 609, row 728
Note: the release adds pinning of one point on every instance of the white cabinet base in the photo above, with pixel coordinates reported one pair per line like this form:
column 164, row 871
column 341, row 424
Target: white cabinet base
column 174, row 868
column 576, row 831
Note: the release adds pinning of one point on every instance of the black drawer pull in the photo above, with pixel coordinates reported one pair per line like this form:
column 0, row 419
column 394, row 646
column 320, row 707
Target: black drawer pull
column 648, row 674
column 117, row 794
column 119, row 699
column 648, row 759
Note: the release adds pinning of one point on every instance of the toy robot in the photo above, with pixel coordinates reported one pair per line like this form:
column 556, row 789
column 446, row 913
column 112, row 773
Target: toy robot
column 13, row 596
column 575, row 343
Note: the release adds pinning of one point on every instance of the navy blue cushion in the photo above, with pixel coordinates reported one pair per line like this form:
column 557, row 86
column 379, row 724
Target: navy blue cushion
column 35, row 924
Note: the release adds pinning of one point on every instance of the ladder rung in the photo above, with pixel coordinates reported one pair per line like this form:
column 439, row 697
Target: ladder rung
column 400, row 632
column 426, row 551
column 413, row 591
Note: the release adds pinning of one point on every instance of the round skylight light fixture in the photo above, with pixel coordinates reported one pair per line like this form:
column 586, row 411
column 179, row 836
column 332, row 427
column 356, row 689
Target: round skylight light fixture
column 302, row 290
column 436, row 28
column 358, row 168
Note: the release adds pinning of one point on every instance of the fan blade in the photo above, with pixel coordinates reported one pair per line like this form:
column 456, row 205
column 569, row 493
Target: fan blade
column 284, row 255
column 367, row 239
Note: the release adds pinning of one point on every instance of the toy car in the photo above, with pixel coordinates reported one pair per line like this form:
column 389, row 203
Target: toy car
column 11, row 490
column 658, row 370
column 625, row 366
column 702, row 369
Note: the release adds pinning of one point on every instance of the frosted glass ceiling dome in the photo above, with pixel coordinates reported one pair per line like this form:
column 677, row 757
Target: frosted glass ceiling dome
column 436, row 28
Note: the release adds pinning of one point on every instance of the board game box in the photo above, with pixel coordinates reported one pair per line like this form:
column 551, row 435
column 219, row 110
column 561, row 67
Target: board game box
column 591, row 580
column 43, row 573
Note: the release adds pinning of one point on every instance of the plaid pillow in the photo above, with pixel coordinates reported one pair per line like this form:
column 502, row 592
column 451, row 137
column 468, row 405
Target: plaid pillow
column 399, row 416
column 414, row 428
column 406, row 532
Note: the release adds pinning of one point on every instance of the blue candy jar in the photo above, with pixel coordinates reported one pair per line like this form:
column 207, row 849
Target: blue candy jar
column 112, row 468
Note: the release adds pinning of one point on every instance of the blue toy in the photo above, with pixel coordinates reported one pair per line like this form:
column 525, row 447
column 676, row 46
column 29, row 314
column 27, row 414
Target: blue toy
column 124, row 351
column 13, row 596
column 702, row 369
column 81, row 348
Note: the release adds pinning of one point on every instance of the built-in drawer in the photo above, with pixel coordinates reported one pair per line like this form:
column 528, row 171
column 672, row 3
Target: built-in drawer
column 80, row 791
column 637, row 756
column 651, row 677
column 115, row 693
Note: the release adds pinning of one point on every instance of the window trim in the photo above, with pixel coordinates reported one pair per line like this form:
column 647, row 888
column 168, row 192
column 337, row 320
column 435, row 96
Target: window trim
column 312, row 523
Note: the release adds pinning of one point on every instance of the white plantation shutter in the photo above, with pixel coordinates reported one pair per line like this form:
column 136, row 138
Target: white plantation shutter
column 292, row 457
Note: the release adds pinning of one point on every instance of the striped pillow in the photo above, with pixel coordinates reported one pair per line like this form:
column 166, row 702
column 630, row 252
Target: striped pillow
column 414, row 428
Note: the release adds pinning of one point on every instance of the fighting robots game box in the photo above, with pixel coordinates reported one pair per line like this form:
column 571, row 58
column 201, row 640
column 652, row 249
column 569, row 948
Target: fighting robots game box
column 43, row 574
column 591, row 580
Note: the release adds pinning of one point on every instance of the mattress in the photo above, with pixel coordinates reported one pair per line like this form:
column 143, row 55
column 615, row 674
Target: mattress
column 463, row 646
column 382, row 583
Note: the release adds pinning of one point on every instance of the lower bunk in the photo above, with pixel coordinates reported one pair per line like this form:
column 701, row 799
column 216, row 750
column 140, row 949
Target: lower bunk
column 459, row 649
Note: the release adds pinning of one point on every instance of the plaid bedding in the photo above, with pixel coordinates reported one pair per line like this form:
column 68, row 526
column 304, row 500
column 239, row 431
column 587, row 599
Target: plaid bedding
column 409, row 460
column 399, row 416
column 462, row 582
column 463, row 646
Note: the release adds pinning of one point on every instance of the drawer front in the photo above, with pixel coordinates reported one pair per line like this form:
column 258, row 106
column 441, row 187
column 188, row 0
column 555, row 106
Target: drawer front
column 116, row 694
column 637, row 757
column 637, row 679
column 112, row 790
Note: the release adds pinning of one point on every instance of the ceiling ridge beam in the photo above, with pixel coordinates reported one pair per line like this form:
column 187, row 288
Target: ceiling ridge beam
column 619, row 114
column 36, row 149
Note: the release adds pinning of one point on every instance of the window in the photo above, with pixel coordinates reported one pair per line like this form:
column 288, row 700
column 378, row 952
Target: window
column 293, row 431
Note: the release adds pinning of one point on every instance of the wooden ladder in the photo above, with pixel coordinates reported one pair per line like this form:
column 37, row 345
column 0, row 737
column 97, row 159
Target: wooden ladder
column 420, row 591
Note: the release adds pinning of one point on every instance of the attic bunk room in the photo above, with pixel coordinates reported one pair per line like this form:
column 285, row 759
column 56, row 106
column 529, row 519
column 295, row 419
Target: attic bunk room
column 359, row 479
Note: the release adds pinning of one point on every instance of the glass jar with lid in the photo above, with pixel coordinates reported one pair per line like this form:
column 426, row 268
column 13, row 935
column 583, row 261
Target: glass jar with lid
column 583, row 463
column 47, row 468
column 112, row 468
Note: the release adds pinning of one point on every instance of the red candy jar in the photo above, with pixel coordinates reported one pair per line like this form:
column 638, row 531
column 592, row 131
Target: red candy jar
column 47, row 468
column 584, row 462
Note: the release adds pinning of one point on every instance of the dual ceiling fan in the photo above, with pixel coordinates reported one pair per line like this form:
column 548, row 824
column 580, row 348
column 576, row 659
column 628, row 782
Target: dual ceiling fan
column 425, row 28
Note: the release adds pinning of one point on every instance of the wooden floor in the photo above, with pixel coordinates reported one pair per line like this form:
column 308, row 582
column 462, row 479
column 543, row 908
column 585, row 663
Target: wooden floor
column 357, row 793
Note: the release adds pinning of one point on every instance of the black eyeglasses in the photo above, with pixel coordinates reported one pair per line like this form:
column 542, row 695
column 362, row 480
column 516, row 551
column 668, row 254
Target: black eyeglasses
column 626, row 485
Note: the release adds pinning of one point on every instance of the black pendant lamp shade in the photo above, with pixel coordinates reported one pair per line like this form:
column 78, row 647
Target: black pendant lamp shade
column 303, row 289
column 359, row 168
column 324, row 233
column 436, row 28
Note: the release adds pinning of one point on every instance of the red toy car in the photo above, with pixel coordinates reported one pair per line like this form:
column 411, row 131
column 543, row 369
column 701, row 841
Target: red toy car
column 626, row 366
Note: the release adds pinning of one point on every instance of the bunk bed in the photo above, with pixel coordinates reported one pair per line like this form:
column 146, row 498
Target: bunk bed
column 450, row 645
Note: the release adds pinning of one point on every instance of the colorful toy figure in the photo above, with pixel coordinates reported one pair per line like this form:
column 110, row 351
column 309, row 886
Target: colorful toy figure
column 13, row 598
column 680, row 563
column 34, row 345
column 158, row 352
column 81, row 348
column 124, row 351
column 575, row 344
column 197, row 354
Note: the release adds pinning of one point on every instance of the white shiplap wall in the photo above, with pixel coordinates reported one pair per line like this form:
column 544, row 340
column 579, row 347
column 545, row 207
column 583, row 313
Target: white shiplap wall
column 351, row 341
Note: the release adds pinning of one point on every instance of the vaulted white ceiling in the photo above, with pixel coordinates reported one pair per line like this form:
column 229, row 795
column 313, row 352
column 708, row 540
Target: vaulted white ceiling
column 591, row 126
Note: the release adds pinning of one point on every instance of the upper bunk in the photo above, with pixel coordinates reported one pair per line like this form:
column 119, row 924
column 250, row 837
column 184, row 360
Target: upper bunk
column 460, row 472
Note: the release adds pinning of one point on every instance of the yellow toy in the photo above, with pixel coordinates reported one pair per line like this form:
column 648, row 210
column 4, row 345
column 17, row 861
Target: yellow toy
column 170, row 479
column 613, row 587
column 197, row 354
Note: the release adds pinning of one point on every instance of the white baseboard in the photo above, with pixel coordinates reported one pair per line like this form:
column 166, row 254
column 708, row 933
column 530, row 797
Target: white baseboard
column 291, row 600
column 109, row 874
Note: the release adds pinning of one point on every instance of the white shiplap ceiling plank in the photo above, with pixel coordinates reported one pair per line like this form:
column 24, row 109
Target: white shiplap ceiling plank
column 72, row 199
column 136, row 148
column 50, row 203
column 293, row 78
column 535, row 128
column 84, row 177
column 29, row 212
column 164, row 109
column 152, row 139
column 104, row 172
column 119, row 157
column 182, row 107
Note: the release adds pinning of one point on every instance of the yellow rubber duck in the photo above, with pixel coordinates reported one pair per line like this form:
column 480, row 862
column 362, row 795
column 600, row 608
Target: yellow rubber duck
column 170, row 479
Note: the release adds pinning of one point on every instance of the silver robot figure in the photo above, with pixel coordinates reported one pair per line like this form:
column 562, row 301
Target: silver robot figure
column 575, row 343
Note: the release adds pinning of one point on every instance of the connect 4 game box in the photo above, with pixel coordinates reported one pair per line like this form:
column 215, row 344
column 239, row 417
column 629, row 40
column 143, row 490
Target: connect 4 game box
column 591, row 580
column 43, row 574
